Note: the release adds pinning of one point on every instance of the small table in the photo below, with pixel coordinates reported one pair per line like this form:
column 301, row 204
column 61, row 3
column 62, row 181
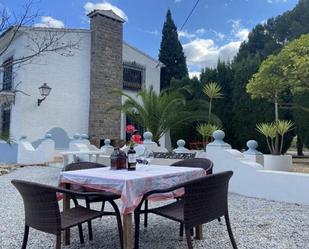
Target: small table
column 131, row 185
column 90, row 153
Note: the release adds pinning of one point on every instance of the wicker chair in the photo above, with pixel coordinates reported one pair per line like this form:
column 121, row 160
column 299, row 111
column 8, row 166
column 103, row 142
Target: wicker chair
column 203, row 163
column 42, row 211
column 205, row 200
column 98, row 198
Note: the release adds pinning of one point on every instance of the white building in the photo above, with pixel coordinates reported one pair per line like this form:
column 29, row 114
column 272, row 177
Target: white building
column 80, row 83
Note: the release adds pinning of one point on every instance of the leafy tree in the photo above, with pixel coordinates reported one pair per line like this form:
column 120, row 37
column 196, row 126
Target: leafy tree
column 294, row 60
column 264, row 40
column 171, row 53
column 161, row 112
column 268, row 82
column 286, row 70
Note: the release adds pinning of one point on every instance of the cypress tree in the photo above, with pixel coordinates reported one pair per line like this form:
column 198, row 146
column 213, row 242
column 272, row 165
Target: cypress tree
column 171, row 53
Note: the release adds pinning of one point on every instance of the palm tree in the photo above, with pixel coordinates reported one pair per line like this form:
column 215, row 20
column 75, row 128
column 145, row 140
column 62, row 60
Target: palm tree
column 160, row 112
column 213, row 91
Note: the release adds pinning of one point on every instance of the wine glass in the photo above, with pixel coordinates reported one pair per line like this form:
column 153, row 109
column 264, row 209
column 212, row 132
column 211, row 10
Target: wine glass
column 149, row 156
column 140, row 154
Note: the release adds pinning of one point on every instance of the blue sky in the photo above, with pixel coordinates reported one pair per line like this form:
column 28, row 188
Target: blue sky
column 216, row 28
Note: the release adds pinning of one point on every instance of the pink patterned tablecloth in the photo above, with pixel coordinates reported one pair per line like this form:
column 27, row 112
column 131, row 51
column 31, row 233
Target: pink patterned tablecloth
column 132, row 185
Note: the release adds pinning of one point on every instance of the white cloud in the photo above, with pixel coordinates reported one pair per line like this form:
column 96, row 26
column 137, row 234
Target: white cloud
column 239, row 31
column 194, row 74
column 200, row 31
column 205, row 52
column 105, row 5
column 154, row 32
column 219, row 35
column 242, row 34
column 50, row 22
column 276, row 1
column 186, row 34
column 201, row 52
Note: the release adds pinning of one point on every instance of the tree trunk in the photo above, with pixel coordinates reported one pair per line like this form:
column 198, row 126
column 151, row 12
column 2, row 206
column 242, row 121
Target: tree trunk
column 299, row 146
column 209, row 111
column 276, row 111
column 277, row 152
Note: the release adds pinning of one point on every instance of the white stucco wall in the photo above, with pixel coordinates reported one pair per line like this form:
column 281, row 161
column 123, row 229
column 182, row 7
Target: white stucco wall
column 251, row 180
column 67, row 106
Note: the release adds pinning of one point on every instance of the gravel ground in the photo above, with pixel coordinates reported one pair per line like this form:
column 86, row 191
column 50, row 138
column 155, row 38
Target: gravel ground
column 256, row 223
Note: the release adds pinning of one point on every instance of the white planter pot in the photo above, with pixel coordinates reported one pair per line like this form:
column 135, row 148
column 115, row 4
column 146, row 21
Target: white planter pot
column 278, row 162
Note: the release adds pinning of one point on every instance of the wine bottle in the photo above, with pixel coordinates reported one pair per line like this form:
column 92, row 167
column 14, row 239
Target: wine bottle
column 131, row 159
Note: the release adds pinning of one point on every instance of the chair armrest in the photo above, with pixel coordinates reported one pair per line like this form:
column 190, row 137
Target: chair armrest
column 160, row 191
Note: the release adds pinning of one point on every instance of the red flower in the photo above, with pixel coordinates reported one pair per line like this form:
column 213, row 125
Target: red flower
column 136, row 138
column 130, row 129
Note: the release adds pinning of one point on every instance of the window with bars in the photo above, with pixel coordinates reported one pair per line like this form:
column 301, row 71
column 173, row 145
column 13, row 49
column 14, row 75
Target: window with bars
column 133, row 76
column 5, row 121
column 7, row 80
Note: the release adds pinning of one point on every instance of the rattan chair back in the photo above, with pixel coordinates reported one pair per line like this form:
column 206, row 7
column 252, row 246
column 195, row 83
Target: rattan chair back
column 205, row 199
column 83, row 165
column 41, row 206
column 204, row 163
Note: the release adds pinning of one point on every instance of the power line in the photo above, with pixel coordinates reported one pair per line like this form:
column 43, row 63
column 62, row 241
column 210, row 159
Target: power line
column 188, row 17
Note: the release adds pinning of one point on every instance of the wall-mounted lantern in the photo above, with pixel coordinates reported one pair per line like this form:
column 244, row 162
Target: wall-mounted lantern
column 44, row 91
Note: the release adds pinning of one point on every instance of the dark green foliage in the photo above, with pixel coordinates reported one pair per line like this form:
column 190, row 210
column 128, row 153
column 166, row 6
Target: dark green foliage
column 171, row 54
column 223, row 75
column 301, row 117
column 192, row 90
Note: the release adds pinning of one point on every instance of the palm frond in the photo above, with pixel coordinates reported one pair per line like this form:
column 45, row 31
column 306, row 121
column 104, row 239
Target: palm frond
column 206, row 130
column 212, row 90
column 283, row 126
column 267, row 129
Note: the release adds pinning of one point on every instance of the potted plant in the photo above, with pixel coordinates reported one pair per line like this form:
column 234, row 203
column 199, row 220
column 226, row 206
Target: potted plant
column 274, row 134
column 270, row 83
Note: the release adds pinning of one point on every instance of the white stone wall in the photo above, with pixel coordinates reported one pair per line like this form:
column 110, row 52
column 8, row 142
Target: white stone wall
column 251, row 180
column 67, row 106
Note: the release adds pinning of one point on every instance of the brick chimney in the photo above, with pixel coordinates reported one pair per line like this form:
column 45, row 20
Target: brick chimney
column 106, row 74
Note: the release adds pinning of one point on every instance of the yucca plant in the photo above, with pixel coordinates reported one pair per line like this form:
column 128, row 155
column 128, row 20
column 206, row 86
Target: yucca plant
column 274, row 132
column 213, row 91
column 206, row 131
